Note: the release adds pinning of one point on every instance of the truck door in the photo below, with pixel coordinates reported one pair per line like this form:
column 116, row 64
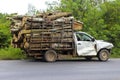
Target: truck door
column 86, row 45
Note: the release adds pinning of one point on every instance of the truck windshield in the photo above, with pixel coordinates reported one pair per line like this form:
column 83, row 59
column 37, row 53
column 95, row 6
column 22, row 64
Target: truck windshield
column 83, row 37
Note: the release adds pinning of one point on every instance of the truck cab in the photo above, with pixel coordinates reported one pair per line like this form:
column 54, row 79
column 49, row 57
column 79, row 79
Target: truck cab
column 89, row 47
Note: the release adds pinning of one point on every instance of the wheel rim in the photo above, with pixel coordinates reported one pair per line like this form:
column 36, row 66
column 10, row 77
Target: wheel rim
column 104, row 55
column 51, row 56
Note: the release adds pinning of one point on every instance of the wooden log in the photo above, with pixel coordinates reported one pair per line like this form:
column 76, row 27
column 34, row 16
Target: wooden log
column 39, row 15
column 33, row 25
column 44, row 31
column 18, row 17
column 14, row 38
column 58, row 15
column 65, row 19
column 26, row 45
column 77, row 25
column 34, row 19
column 24, row 20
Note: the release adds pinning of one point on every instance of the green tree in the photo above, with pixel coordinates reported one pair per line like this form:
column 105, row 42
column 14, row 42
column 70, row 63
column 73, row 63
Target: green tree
column 4, row 31
column 112, row 20
column 87, row 11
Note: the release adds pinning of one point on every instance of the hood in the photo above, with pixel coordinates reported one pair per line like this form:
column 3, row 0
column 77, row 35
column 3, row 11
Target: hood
column 103, row 44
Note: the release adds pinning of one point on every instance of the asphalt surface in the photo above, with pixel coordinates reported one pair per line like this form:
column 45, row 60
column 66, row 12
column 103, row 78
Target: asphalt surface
column 60, row 70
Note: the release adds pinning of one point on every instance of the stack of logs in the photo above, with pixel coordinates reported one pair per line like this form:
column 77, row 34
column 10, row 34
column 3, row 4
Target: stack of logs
column 25, row 29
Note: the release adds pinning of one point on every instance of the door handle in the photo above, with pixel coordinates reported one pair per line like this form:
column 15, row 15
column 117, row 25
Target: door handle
column 79, row 43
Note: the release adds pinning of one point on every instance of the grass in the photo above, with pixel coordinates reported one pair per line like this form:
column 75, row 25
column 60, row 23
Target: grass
column 115, row 53
column 16, row 54
column 11, row 54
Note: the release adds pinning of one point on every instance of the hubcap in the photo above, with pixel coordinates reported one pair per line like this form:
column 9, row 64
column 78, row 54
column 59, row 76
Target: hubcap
column 104, row 55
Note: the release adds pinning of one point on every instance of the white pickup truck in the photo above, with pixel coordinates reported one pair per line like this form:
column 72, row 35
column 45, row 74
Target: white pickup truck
column 54, row 36
column 84, row 46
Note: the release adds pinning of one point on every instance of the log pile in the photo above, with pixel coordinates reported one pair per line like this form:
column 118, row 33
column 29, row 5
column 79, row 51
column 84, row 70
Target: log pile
column 43, row 31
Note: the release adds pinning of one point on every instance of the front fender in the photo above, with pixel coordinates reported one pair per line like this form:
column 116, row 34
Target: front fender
column 104, row 45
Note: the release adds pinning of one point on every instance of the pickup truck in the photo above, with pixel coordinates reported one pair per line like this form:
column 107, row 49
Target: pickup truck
column 84, row 46
column 56, row 36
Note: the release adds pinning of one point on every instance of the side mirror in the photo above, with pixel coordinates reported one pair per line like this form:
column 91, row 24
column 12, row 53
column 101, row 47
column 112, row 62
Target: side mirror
column 93, row 39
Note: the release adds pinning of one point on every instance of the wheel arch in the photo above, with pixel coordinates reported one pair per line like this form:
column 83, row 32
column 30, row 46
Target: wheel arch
column 103, row 55
column 109, row 50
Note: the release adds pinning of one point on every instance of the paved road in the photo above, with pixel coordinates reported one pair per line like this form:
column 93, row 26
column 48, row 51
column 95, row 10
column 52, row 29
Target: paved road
column 60, row 70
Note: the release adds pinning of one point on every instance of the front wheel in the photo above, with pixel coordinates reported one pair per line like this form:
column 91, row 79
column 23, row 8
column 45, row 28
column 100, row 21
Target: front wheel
column 50, row 56
column 103, row 55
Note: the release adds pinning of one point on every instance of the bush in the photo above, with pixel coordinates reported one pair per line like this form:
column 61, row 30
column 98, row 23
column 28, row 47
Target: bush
column 11, row 54
column 116, row 53
column 4, row 31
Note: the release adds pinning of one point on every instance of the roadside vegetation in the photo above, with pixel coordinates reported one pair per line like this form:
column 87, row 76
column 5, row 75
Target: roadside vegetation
column 11, row 53
column 101, row 19
column 6, row 51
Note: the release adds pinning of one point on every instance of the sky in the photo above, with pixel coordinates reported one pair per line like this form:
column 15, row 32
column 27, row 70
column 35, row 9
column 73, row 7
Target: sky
column 21, row 6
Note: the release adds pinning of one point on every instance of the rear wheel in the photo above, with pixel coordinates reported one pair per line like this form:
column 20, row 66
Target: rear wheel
column 103, row 55
column 50, row 56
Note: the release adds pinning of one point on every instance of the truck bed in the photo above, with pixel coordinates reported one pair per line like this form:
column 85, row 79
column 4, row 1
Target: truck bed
column 59, row 36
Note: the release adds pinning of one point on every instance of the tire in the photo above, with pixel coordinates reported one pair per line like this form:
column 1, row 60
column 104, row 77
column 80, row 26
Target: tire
column 88, row 58
column 103, row 55
column 50, row 56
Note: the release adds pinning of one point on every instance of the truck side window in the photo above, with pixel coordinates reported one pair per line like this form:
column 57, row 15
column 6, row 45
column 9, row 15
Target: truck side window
column 86, row 37
column 78, row 37
column 83, row 37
